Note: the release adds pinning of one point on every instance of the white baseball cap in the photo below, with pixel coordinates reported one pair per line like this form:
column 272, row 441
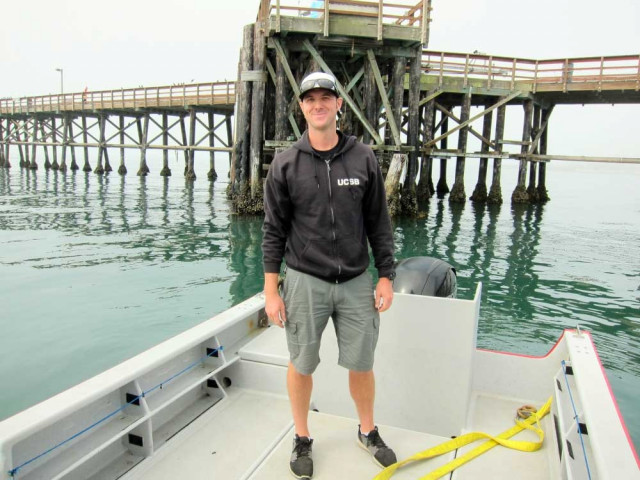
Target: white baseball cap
column 318, row 80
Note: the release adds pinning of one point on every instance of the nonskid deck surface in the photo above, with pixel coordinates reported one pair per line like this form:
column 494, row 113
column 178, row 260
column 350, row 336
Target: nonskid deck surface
column 337, row 455
column 223, row 443
column 249, row 436
column 493, row 415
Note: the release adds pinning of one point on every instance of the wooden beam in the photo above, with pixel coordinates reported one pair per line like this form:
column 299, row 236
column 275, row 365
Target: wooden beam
column 473, row 132
column 475, row 117
column 285, row 64
column 430, row 97
column 385, row 98
column 543, row 127
column 573, row 158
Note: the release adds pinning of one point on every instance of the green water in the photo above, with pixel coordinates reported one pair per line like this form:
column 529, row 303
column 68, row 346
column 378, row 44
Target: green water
column 96, row 269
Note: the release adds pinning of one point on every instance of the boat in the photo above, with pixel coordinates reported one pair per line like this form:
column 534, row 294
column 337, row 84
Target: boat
column 211, row 403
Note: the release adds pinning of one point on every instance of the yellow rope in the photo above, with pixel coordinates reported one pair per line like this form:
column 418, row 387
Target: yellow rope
column 450, row 445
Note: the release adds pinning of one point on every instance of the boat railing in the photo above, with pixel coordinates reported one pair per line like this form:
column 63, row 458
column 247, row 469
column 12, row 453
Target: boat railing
column 131, row 404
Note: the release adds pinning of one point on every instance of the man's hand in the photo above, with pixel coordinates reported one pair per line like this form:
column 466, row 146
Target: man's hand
column 384, row 294
column 273, row 305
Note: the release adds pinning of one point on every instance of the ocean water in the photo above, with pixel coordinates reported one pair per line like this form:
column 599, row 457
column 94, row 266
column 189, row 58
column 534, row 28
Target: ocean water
column 95, row 269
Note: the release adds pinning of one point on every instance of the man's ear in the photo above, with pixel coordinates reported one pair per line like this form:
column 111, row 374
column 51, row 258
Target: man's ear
column 340, row 100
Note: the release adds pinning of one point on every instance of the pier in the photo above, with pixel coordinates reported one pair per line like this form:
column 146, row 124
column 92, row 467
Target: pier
column 403, row 99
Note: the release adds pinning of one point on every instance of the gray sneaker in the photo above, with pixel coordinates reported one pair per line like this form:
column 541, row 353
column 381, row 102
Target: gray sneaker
column 379, row 451
column 301, row 464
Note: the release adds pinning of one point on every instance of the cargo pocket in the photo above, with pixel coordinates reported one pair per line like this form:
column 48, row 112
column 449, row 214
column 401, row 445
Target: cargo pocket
column 292, row 339
column 376, row 331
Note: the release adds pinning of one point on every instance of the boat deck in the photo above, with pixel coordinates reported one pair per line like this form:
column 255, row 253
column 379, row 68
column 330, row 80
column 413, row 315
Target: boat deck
column 249, row 434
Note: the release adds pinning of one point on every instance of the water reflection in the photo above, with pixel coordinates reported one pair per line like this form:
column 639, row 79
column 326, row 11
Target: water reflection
column 537, row 277
column 533, row 285
column 245, row 259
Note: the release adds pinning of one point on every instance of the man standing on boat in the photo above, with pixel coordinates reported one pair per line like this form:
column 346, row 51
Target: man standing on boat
column 324, row 202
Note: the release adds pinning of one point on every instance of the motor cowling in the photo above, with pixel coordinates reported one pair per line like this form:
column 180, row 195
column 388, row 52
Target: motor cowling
column 425, row 276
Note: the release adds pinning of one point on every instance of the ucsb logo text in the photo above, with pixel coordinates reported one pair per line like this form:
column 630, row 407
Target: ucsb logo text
column 348, row 181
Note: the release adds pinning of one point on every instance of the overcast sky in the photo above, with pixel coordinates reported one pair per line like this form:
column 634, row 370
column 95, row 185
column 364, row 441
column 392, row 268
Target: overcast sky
column 108, row 45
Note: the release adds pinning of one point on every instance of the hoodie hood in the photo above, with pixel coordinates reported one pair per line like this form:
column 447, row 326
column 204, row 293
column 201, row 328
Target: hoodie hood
column 303, row 144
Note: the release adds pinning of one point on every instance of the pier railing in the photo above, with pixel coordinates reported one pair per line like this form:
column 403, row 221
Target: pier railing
column 588, row 73
column 385, row 12
column 216, row 93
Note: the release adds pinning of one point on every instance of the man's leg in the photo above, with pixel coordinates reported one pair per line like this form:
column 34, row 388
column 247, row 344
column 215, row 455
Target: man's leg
column 362, row 386
column 299, row 387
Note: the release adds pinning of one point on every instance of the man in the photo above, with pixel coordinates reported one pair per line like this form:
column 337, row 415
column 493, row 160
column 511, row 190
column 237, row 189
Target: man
column 324, row 198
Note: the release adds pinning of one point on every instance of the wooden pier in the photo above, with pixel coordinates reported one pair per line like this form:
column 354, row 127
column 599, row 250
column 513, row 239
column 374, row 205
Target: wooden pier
column 62, row 123
column 403, row 99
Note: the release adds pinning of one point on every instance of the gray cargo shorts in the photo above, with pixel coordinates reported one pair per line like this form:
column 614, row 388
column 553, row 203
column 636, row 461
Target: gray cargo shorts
column 309, row 302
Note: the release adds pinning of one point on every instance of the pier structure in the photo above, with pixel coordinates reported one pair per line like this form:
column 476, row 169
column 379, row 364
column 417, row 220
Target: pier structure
column 493, row 83
column 408, row 102
column 182, row 118
column 373, row 48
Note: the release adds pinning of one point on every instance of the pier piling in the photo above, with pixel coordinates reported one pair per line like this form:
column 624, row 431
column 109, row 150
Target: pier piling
column 43, row 137
column 425, row 185
column 99, row 170
column 480, row 192
column 85, row 141
column 143, row 135
column 212, row 175
column 520, row 194
column 54, row 138
column 458, row 194
column 122, row 169
column 442, row 188
column 34, row 138
column 495, row 192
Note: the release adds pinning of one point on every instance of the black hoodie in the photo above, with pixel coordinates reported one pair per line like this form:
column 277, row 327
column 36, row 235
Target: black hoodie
column 319, row 214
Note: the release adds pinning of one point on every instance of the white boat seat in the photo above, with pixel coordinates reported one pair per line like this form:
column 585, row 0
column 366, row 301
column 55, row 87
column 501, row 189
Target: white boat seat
column 268, row 347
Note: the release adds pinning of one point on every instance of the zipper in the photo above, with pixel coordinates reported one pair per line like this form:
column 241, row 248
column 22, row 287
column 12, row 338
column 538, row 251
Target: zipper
column 333, row 217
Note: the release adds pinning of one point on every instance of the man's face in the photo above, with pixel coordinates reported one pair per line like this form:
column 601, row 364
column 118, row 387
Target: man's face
column 320, row 108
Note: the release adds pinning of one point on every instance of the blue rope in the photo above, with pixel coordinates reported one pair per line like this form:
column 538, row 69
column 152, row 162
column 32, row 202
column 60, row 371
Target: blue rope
column 576, row 418
column 15, row 470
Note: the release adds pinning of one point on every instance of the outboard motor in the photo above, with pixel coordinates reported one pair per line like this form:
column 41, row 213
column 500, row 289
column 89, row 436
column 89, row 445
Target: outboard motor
column 425, row 276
